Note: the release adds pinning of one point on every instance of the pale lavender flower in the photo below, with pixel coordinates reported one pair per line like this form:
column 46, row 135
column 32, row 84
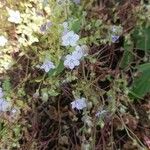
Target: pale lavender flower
column 44, row 27
column 4, row 105
column 100, row 113
column 114, row 38
column 76, row 1
column 116, row 32
column 14, row 16
column 47, row 65
column 71, row 62
column 78, row 53
column 3, row 40
column 79, row 104
column 70, row 39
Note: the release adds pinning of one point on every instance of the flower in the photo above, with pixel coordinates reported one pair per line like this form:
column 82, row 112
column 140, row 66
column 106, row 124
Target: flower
column 47, row 66
column 44, row 27
column 71, row 62
column 76, row 1
column 79, row 104
column 114, row 38
column 116, row 31
column 3, row 40
column 14, row 16
column 101, row 113
column 4, row 105
column 78, row 53
column 70, row 38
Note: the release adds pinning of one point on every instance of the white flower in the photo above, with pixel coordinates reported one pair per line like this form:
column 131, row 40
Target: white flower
column 47, row 65
column 78, row 53
column 71, row 62
column 79, row 104
column 114, row 38
column 70, row 38
column 14, row 16
column 3, row 41
column 4, row 105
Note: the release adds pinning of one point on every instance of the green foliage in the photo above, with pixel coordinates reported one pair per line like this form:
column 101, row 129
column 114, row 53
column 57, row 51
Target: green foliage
column 6, row 85
column 9, row 135
column 127, row 56
column 58, row 70
column 75, row 25
column 141, row 36
column 141, row 84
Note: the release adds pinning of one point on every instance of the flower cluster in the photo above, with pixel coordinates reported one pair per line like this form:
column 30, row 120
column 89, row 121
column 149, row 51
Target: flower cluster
column 73, row 60
column 47, row 65
column 79, row 103
column 69, row 38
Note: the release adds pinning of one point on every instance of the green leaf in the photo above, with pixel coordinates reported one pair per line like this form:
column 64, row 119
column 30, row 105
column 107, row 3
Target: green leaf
column 75, row 25
column 51, row 72
column 127, row 56
column 57, row 70
column 142, row 38
column 141, row 84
